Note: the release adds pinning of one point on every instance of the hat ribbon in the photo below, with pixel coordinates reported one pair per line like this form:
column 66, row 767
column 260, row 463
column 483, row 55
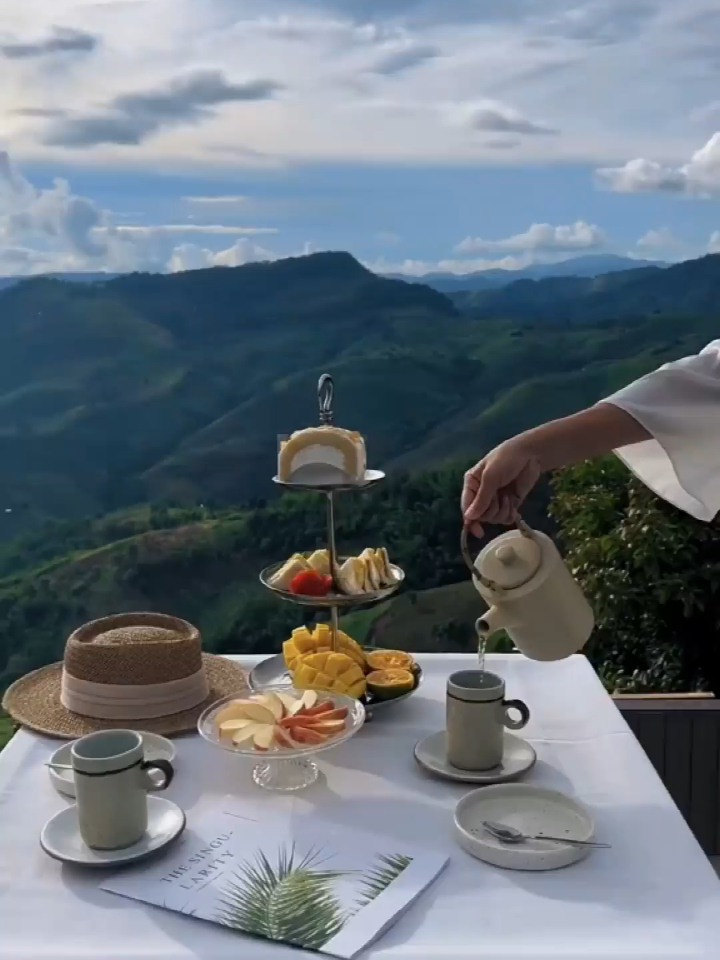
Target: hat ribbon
column 143, row 701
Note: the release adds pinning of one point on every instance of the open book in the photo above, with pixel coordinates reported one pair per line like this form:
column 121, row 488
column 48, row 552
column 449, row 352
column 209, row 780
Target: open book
column 308, row 883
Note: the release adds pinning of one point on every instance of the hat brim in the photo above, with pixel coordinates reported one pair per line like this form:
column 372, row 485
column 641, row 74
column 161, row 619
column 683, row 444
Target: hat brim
column 34, row 701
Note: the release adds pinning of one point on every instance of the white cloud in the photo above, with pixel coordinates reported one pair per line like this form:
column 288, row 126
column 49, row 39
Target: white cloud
column 216, row 228
column 55, row 230
column 541, row 237
column 699, row 177
column 618, row 78
column 188, row 256
column 714, row 242
column 419, row 268
column 220, row 200
column 660, row 239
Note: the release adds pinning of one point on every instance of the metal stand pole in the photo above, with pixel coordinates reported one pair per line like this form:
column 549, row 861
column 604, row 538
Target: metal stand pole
column 332, row 556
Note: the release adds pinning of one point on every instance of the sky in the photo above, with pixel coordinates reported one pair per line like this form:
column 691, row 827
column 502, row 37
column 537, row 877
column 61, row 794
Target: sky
column 420, row 135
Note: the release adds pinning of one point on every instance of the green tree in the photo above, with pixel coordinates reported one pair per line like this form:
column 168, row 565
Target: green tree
column 652, row 574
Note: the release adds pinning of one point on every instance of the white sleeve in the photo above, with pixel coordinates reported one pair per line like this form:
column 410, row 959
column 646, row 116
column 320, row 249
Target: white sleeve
column 679, row 404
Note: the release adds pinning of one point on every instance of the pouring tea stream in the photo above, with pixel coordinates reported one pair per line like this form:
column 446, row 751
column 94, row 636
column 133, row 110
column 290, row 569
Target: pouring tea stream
column 530, row 593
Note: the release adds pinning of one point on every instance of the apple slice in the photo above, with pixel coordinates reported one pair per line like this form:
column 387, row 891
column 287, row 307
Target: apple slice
column 263, row 736
column 254, row 711
column 288, row 701
column 235, row 710
column 306, row 735
column 245, row 734
column 338, row 714
column 283, row 739
column 229, row 727
column 331, row 727
column 273, row 703
column 308, row 699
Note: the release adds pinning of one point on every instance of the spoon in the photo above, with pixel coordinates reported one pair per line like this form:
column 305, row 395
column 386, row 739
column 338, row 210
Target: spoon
column 508, row 834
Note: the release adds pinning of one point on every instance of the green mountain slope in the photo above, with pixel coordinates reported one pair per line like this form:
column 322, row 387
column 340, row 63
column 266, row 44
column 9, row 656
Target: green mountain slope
column 174, row 388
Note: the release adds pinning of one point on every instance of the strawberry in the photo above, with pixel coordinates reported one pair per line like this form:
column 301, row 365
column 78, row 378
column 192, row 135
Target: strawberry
column 311, row 584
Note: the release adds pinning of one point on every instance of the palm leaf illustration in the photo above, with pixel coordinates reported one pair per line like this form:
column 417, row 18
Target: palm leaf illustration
column 379, row 877
column 291, row 901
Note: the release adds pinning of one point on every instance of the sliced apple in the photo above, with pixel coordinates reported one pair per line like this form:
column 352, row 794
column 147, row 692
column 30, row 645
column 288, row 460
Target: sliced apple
column 256, row 711
column 263, row 736
column 331, row 727
column 283, row 739
column 288, row 701
column 306, row 735
column 309, row 699
column 229, row 727
column 245, row 734
column 273, row 703
column 339, row 713
column 235, row 710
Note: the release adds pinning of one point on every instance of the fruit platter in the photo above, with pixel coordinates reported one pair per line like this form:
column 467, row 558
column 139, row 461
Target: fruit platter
column 282, row 728
column 375, row 676
column 308, row 578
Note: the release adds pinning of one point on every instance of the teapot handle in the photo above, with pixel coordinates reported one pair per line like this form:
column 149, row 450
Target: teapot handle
column 524, row 529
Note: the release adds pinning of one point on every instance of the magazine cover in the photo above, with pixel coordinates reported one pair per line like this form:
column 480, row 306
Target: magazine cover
column 311, row 884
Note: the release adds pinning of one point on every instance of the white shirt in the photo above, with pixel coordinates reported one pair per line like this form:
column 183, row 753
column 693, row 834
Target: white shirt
column 679, row 404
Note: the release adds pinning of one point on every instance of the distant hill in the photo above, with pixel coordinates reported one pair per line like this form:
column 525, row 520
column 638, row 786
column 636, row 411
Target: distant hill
column 6, row 282
column 689, row 289
column 589, row 265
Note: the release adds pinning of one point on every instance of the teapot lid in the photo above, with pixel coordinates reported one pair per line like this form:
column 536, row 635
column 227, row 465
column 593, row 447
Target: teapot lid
column 510, row 560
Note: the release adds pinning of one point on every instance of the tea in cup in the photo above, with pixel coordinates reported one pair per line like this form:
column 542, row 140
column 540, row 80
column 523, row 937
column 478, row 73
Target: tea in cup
column 477, row 715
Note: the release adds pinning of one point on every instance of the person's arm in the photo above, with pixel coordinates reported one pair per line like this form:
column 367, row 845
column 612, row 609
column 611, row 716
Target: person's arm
column 581, row 436
column 665, row 427
column 496, row 486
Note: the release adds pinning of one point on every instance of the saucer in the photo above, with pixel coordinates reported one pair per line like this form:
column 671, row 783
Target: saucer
column 155, row 747
column 531, row 810
column 60, row 837
column 518, row 758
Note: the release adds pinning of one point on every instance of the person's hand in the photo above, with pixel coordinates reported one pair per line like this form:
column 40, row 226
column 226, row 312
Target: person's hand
column 496, row 486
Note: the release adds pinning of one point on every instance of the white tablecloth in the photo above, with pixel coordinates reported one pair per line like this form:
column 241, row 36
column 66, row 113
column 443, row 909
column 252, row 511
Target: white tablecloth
column 654, row 895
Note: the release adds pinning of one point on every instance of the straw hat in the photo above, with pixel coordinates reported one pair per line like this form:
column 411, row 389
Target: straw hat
column 143, row 671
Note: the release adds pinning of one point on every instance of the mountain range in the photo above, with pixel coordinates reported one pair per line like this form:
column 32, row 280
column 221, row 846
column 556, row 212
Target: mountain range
column 589, row 265
column 174, row 388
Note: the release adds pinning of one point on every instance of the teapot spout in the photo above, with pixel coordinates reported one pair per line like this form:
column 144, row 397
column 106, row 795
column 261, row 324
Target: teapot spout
column 490, row 622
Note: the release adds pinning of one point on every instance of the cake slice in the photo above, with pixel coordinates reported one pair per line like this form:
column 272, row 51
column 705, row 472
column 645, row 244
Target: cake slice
column 324, row 454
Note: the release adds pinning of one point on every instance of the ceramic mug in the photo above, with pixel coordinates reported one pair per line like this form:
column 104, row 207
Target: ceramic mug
column 112, row 780
column 477, row 713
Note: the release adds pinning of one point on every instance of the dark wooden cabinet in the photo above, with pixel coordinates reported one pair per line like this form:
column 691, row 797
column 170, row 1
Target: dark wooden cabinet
column 682, row 739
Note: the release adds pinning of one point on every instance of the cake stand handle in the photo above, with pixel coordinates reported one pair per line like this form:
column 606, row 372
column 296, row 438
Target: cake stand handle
column 326, row 391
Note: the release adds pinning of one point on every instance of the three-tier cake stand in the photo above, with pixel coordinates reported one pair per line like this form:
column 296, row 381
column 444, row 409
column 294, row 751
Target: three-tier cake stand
column 273, row 671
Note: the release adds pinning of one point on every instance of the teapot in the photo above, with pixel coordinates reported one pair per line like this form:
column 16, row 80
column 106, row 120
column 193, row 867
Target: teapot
column 531, row 594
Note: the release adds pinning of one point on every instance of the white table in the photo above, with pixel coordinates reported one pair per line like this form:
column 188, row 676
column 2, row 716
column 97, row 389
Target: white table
column 654, row 895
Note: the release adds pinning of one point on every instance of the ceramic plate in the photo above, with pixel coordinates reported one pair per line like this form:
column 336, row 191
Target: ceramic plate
column 155, row 746
column 60, row 837
column 531, row 810
column 518, row 758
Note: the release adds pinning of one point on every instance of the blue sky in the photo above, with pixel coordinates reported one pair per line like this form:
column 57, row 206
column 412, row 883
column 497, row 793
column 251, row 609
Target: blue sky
column 437, row 134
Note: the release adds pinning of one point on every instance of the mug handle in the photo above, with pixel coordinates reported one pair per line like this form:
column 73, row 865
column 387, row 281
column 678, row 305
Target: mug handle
column 521, row 708
column 165, row 767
